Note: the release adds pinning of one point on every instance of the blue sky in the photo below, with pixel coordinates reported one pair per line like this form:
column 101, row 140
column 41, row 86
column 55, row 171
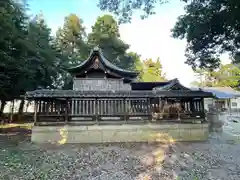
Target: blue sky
column 55, row 10
column 150, row 37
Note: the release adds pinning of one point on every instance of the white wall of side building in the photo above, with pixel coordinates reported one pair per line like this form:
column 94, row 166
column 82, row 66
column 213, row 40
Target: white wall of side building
column 235, row 103
column 230, row 104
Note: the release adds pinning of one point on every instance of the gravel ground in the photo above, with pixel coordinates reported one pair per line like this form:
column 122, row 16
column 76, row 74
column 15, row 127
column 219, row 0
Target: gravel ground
column 210, row 160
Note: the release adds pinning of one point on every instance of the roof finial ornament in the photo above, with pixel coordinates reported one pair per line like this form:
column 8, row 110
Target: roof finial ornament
column 175, row 80
column 96, row 48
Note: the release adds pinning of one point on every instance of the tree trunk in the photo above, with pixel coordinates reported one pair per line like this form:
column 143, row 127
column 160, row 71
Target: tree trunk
column 12, row 111
column 3, row 103
column 21, row 106
column 20, row 110
column 27, row 106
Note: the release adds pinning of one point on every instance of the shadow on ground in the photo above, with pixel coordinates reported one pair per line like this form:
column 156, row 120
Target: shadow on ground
column 11, row 134
column 21, row 159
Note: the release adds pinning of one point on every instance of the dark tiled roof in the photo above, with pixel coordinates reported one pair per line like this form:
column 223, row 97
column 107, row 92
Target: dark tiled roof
column 173, row 84
column 74, row 93
column 164, row 85
column 139, row 86
column 184, row 93
column 103, row 59
column 117, row 94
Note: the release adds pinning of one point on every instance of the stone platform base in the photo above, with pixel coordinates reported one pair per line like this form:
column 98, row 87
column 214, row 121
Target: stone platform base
column 120, row 133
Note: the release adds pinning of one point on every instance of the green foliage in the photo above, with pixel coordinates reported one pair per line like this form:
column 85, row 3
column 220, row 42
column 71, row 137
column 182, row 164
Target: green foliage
column 31, row 58
column 204, row 78
column 28, row 57
column 152, row 71
column 70, row 40
column 136, row 61
column 124, row 8
column 105, row 34
column 105, row 26
column 13, row 49
column 42, row 63
column 225, row 76
column 70, row 43
column 210, row 27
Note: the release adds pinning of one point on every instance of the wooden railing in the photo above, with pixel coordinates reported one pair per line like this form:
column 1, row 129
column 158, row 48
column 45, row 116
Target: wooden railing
column 111, row 110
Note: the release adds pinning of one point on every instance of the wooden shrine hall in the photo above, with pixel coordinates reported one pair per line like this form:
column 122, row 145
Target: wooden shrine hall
column 105, row 93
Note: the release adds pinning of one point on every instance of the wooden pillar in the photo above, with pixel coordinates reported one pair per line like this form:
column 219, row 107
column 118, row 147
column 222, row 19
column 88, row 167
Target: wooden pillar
column 35, row 111
column 149, row 109
column 192, row 109
column 96, row 110
column 125, row 111
column 66, row 110
column 202, row 107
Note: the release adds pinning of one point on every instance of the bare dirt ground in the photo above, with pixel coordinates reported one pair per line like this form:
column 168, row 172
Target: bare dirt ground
column 211, row 160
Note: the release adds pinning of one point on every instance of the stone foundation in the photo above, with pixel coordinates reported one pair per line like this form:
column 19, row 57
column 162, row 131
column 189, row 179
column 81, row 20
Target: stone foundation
column 120, row 133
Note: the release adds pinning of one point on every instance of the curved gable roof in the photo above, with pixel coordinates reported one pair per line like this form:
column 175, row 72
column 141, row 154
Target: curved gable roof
column 164, row 85
column 97, row 52
column 173, row 84
column 172, row 88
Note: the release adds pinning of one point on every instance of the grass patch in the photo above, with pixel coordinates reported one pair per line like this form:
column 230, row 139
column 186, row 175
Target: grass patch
column 14, row 125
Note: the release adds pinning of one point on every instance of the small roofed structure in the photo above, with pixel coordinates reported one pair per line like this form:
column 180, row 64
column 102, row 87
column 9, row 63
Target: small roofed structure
column 225, row 98
column 172, row 88
column 222, row 92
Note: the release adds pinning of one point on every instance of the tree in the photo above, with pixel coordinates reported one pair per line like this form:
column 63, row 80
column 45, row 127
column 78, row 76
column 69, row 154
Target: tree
column 28, row 57
column 136, row 61
column 42, row 58
column 72, row 48
column 41, row 64
column 105, row 26
column 125, row 8
column 70, row 40
column 17, row 52
column 211, row 27
column 13, row 49
column 225, row 76
column 204, row 78
column 152, row 71
column 105, row 34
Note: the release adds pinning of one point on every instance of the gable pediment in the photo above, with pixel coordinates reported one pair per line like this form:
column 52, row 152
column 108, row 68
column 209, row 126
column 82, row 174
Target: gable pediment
column 96, row 64
column 97, row 61
column 173, row 85
column 178, row 87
